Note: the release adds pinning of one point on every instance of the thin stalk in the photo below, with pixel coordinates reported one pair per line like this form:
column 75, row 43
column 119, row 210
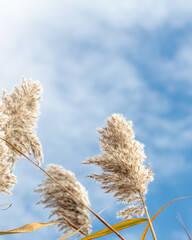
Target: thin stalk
column 73, row 225
column 148, row 217
column 181, row 221
column 94, row 213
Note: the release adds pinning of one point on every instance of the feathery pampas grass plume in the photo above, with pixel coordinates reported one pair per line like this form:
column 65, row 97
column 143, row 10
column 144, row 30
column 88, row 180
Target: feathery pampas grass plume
column 53, row 196
column 20, row 110
column 124, row 173
column 7, row 179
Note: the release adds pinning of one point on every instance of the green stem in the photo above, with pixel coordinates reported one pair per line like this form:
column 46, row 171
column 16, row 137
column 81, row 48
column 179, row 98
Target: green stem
column 148, row 217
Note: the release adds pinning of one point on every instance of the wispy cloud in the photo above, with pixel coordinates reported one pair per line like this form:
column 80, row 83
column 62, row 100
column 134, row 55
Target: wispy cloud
column 93, row 59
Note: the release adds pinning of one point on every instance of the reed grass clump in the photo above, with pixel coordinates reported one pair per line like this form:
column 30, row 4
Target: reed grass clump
column 124, row 171
column 19, row 112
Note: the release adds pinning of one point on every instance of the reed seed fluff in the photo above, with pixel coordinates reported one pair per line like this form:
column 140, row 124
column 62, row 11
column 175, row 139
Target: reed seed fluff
column 122, row 162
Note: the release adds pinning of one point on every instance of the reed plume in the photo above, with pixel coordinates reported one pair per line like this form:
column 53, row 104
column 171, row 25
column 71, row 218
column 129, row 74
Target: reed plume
column 20, row 111
column 123, row 171
column 7, row 179
column 62, row 203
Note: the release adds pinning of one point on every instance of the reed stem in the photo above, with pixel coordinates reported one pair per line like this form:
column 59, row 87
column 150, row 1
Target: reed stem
column 148, row 217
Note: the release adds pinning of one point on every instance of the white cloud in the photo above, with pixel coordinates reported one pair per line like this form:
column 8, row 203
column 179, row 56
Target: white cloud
column 80, row 51
column 179, row 67
column 168, row 165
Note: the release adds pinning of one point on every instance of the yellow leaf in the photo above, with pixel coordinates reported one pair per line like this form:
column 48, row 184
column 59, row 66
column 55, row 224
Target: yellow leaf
column 28, row 228
column 152, row 219
column 118, row 226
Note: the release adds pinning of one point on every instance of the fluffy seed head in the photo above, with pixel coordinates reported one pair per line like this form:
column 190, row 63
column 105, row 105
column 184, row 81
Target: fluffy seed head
column 124, row 173
column 20, row 111
column 62, row 203
column 7, row 179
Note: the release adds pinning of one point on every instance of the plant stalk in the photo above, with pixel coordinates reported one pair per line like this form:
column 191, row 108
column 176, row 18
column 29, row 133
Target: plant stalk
column 94, row 213
column 148, row 217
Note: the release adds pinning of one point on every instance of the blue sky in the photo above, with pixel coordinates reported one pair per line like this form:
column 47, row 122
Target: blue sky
column 95, row 58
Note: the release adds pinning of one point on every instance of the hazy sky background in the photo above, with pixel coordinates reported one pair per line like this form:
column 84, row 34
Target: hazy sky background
column 95, row 58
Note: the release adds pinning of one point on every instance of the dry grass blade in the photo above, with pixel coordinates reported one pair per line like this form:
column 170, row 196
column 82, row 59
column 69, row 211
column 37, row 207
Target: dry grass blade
column 181, row 221
column 118, row 226
column 152, row 219
column 10, row 204
column 28, row 228
column 95, row 214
